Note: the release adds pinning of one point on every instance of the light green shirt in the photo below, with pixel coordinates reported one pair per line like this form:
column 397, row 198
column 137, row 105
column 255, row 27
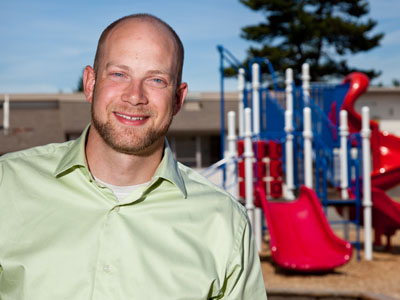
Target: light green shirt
column 65, row 236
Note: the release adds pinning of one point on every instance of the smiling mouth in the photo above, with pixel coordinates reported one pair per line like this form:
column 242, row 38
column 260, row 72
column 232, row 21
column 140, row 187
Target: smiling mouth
column 130, row 118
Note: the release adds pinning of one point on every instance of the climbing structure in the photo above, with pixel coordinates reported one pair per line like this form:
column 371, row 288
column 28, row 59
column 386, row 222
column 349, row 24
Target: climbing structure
column 306, row 123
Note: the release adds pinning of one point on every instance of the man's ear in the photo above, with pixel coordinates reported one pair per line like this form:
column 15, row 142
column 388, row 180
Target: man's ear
column 180, row 96
column 89, row 80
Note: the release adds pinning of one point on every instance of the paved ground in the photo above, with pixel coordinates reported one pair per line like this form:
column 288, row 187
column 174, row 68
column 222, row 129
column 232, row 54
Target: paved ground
column 379, row 276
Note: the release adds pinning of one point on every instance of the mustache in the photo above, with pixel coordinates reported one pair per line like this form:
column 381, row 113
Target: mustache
column 129, row 110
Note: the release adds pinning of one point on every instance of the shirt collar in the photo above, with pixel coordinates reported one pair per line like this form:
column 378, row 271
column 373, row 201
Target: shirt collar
column 169, row 170
column 75, row 158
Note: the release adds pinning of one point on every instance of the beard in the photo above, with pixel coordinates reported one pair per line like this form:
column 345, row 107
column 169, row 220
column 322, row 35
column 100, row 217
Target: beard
column 137, row 141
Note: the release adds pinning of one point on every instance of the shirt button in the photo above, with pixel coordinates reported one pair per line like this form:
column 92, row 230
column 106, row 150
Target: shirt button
column 107, row 268
column 117, row 208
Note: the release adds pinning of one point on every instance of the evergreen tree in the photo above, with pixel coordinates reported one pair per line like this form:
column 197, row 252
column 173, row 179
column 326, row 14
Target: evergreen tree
column 79, row 86
column 319, row 32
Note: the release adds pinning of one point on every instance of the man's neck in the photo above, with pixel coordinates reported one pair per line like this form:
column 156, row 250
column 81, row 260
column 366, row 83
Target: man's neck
column 119, row 168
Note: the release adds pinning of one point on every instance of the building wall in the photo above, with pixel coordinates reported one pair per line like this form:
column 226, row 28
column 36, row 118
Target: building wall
column 75, row 116
column 384, row 107
column 32, row 124
column 41, row 119
column 37, row 119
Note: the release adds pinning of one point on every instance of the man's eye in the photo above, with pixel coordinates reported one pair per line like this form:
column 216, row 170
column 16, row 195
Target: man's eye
column 157, row 82
column 116, row 74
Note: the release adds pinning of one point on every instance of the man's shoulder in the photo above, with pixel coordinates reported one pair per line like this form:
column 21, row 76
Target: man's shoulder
column 195, row 181
column 37, row 153
column 29, row 163
column 192, row 176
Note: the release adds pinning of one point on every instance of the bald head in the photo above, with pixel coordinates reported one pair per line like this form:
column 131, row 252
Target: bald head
column 142, row 18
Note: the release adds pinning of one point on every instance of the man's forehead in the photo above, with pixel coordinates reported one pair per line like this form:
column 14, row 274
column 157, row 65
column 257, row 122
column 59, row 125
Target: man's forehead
column 145, row 36
column 141, row 25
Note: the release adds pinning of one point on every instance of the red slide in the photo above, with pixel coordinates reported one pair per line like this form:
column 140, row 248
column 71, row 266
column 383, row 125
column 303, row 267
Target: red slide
column 386, row 162
column 300, row 236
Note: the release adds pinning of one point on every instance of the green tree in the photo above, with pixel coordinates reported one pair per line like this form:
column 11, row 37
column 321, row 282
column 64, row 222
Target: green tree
column 319, row 32
column 79, row 86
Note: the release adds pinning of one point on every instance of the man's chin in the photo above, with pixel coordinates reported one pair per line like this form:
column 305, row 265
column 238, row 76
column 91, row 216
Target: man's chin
column 139, row 146
column 140, row 142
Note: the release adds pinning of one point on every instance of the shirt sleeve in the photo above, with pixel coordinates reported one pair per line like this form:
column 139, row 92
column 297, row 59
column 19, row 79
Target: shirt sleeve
column 1, row 172
column 245, row 279
column 1, row 178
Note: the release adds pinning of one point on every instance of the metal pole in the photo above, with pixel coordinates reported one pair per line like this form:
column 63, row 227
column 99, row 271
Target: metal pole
column 305, row 77
column 253, row 212
column 258, row 226
column 232, row 138
column 6, row 114
column 255, row 74
column 308, row 136
column 344, row 179
column 289, row 136
column 222, row 111
column 344, row 133
column 248, row 155
column 367, row 201
column 241, row 86
column 289, row 89
column 289, row 155
column 232, row 154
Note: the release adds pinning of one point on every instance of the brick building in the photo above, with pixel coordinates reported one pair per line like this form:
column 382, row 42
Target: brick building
column 37, row 119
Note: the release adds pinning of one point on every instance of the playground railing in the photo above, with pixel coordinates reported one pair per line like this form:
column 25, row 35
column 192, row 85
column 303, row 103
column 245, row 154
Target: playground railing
column 220, row 167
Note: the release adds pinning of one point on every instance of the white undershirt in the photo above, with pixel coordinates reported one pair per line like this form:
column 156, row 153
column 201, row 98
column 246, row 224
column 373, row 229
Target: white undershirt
column 121, row 191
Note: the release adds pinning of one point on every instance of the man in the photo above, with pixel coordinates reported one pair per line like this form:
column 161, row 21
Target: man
column 112, row 215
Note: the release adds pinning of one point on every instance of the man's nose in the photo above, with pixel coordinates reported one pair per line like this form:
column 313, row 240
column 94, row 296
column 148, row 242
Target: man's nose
column 134, row 93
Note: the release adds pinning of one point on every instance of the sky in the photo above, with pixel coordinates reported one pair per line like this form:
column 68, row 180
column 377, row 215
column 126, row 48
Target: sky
column 45, row 44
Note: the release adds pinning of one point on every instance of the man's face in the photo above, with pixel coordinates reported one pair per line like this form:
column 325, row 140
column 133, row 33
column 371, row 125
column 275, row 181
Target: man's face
column 134, row 94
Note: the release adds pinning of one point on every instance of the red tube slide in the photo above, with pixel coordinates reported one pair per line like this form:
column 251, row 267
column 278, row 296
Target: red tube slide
column 385, row 147
column 386, row 162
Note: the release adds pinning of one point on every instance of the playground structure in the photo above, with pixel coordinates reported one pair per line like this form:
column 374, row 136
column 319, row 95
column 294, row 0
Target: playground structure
column 385, row 165
column 288, row 131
